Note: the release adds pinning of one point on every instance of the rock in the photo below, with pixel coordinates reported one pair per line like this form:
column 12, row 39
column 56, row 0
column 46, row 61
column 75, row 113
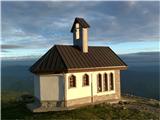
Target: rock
column 124, row 108
column 120, row 102
column 26, row 98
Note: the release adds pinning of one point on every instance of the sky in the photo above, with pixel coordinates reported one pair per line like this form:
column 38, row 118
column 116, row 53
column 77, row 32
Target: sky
column 31, row 28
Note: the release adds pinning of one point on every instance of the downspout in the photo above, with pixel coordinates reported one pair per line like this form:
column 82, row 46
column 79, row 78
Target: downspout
column 91, row 88
column 64, row 90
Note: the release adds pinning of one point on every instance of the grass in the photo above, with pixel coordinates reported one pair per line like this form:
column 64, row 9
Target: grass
column 11, row 109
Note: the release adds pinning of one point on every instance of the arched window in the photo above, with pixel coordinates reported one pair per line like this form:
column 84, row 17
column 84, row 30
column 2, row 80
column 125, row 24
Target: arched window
column 99, row 83
column 111, row 82
column 105, row 82
column 85, row 80
column 72, row 81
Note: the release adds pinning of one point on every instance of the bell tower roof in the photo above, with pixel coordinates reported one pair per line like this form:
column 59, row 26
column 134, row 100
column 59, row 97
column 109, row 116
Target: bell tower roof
column 82, row 23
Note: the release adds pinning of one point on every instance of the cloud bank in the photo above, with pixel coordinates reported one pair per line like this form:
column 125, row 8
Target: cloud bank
column 36, row 25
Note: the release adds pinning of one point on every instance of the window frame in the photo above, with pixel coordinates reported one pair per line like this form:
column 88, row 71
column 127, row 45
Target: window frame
column 74, row 81
column 105, row 82
column 99, row 80
column 111, row 82
column 87, row 80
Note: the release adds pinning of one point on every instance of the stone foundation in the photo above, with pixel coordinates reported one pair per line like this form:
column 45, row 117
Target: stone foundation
column 94, row 99
column 52, row 103
column 105, row 97
column 78, row 101
column 46, row 106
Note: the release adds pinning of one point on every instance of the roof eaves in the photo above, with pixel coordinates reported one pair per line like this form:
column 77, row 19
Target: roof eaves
column 118, row 57
column 98, row 68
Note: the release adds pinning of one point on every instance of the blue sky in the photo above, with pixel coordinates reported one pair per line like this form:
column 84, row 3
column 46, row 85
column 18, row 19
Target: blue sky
column 31, row 28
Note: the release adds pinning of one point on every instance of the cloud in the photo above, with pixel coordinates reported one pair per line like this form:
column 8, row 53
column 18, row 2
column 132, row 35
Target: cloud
column 11, row 46
column 4, row 51
column 108, row 19
column 132, row 3
column 37, row 25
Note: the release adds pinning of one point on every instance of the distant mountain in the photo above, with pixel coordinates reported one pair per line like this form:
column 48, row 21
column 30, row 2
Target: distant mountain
column 122, row 55
column 143, row 53
column 147, row 58
column 20, row 58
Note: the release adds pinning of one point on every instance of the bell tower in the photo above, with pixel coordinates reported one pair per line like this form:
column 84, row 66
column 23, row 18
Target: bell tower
column 80, row 34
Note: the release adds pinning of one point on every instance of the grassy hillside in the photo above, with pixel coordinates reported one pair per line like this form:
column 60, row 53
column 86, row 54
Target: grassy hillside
column 12, row 109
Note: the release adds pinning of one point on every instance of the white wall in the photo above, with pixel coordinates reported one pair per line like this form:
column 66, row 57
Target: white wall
column 85, row 40
column 51, row 87
column 79, row 91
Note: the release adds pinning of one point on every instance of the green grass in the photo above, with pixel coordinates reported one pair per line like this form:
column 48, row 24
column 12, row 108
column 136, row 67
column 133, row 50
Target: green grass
column 11, row 109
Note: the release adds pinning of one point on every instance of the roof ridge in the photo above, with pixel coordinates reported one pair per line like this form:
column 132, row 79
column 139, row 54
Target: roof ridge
column 62, row 45
column 75, row 46
column 99, row 46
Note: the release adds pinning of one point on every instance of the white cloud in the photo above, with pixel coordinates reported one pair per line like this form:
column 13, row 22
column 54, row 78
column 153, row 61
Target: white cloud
column 132, row 3
column 39, row 25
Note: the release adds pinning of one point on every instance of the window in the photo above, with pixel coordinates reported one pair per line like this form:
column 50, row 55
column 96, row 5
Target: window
column 72, row 81
column 77, row 33
column 105, row 82
column 99, row 83
column 77, row 30
column 85, row 80
column 111, row 82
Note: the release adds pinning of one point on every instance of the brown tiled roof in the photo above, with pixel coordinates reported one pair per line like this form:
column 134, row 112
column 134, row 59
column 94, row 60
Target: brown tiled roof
column 65, row 58
column 49, row 62
column 81, row 21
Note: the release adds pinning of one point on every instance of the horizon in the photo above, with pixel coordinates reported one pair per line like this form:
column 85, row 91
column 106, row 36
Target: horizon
column 39, row 56
column 31, row 28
